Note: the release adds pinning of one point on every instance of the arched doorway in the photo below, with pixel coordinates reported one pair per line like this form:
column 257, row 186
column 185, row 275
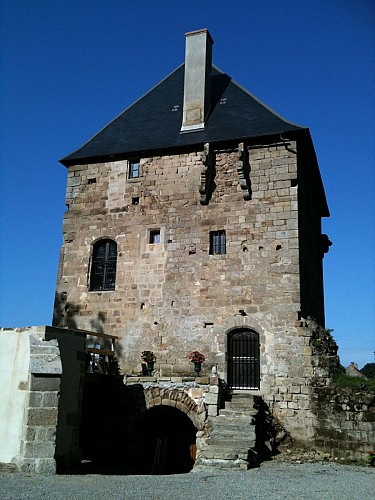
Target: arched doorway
column 243, row 359
column 168, row 441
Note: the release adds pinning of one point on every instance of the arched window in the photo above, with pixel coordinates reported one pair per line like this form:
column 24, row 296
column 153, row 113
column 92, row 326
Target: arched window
column 243, row 359
column 103, row 267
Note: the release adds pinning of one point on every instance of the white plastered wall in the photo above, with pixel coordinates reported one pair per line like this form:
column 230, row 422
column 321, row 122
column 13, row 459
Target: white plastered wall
column 14, row 372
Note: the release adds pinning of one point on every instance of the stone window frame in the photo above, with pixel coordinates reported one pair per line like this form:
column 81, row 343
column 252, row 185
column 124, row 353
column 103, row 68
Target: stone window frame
column 134, row 174
column 218, row 242
column 155, row 247
column 107, row 286
column 154, row 236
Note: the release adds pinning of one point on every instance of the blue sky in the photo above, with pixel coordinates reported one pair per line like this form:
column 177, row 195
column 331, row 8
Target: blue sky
column 69, row 67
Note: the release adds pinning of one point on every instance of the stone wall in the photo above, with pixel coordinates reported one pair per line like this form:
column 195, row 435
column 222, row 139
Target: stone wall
column 345, row 421
column 35, row 415
column 14, row 380
column 173, row 297
column 71, row 347
column 41, row 384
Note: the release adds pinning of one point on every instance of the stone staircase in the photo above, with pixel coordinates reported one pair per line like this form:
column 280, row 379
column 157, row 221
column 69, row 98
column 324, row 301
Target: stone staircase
column 231, row 440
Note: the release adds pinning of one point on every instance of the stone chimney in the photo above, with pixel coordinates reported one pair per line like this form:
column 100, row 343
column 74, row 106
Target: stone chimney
column 197, row 85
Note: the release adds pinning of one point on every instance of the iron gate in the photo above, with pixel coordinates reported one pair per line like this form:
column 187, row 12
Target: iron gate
column 243, row 359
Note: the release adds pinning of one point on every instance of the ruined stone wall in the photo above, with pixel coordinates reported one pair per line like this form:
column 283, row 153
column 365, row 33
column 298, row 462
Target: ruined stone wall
column 173, row 297
column 345, row 421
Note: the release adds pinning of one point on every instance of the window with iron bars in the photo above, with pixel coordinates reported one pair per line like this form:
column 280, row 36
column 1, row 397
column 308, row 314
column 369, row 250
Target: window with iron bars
column 103, row 267
column 217, row 242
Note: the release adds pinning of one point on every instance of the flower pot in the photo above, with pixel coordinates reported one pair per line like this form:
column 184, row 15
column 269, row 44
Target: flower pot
column 197, row 367
column 150, row 367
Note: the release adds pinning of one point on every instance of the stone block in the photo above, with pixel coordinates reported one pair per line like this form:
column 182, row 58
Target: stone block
column 41, row 383
column 34, row 449
column 195, row 392
column 211, row 398
column 168, row 402
column 45, row 434
column 212, row 410
column 51, row 399
column 41, row 416
column 35, row 399
column 202, row 380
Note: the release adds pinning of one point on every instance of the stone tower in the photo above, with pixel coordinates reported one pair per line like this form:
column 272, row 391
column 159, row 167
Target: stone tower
column 193, row 222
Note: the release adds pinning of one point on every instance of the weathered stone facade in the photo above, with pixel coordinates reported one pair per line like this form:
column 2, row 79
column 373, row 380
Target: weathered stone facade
column 173, row 297
column 238, row 173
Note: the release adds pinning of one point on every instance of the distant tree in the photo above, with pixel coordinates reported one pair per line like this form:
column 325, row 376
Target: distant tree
column 369, row 370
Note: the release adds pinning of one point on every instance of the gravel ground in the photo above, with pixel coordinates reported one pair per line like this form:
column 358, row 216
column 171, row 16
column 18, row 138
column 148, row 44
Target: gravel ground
column 270, row 481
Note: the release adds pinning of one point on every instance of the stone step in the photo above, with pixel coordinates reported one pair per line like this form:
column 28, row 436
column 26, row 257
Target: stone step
column 233, row 465
column 218, row 452
column 232, row 418
column 233, row 431
column 237, row 413
column 241, row 397
column 239, row 405
column 232, row 436
column 234, row 427
column 234, row 444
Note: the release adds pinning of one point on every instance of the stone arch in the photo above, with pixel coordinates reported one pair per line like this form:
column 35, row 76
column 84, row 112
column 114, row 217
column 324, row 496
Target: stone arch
column 179, row 399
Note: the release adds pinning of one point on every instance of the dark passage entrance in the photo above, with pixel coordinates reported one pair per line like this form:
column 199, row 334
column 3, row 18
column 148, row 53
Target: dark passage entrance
column 168, row 441
column 243, row 359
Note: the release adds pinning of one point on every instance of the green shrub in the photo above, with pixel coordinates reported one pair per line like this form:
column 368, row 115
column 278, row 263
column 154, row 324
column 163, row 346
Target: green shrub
column 360, row 384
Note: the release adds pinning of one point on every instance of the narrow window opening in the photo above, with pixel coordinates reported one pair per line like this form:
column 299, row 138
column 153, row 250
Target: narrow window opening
column 91, row 181
column 278, row 247
column 103, row 268
column 154, row 236
column 134, row 169
column 217, row 242
column 135, row 200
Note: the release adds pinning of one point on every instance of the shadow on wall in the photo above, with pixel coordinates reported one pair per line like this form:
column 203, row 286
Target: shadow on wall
column 65, row 314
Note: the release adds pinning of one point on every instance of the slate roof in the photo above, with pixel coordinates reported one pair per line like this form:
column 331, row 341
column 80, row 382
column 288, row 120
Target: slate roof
column 154, row 121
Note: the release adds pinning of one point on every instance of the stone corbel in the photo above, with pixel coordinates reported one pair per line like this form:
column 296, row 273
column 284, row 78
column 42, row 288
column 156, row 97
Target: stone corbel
column 243, row 169
column 207, row 160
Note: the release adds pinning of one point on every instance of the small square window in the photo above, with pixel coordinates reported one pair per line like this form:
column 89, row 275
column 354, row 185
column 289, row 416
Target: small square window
column 154, row 236
column 217, row 243
column 134, row 169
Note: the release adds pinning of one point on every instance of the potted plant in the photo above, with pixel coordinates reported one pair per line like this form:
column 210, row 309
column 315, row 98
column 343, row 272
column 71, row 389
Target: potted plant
column 197, row 358
column 149, row 358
